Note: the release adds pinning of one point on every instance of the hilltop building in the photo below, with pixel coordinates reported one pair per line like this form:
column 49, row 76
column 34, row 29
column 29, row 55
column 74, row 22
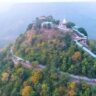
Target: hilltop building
column 62, row 24
column 42, row 18
column 47, row 24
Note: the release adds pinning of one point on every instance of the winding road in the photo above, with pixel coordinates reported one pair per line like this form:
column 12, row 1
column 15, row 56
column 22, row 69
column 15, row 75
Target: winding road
column 75, row 78
column 81, row 45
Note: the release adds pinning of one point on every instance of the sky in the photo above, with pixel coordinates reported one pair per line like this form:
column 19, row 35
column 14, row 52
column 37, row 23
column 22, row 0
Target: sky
column 16, row 1
column 44, row 0
column 6, row 4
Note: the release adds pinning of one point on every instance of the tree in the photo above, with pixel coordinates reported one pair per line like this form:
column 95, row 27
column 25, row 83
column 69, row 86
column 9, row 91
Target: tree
column 26, row 91
column 64, row 64
column 29, row 26
column 93, row 89
column 38, row 23
column 36, row 76
column 82, row 30
column 71, row 89
column 76, row 56
column 44, row 90
column 59, row 91
column 5, row 76
column 67, row 38
column 57, row 22
column 50, row 18
column 70, row 24
column 14, row 92
column 85, row 89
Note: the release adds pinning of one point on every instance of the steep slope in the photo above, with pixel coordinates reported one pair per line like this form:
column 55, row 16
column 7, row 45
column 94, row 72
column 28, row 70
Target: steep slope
column 54, row 47
column 50, row 47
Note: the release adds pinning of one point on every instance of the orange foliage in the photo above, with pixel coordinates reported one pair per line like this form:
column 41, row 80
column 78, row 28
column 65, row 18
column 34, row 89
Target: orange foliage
column 76, row 56
column 71, row 89
column 26, row 90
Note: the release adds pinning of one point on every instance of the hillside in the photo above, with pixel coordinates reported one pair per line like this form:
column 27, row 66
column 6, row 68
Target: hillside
column 45, row 60
column 39, row 44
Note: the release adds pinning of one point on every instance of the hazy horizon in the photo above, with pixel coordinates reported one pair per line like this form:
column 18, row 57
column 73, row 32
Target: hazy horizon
column 14, row 18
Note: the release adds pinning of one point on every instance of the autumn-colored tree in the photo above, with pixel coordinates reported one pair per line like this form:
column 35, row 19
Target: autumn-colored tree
column 26, row 91
column 5, row 76
column 76, row 56
column 71, row 89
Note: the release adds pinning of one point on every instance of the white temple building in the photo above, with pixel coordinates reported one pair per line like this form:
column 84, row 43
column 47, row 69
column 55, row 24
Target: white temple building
column 62, row 24
column 47, row 23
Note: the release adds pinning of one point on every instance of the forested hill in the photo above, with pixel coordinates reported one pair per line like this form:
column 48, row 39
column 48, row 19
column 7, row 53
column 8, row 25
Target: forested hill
column 55, row 51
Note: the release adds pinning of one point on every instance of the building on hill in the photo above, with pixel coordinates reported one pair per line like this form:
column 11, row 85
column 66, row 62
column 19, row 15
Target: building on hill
column 62, row 24
column 47, row 24
column 42, row 18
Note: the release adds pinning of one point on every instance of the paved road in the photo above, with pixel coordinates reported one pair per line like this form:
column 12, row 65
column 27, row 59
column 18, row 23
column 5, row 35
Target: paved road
column 81, row 45
column 25, row 63
column 73, row 77
column 75, row 29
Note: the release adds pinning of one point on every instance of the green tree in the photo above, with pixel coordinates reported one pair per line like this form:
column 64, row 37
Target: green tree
column 70, row 24
column 82, row 30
